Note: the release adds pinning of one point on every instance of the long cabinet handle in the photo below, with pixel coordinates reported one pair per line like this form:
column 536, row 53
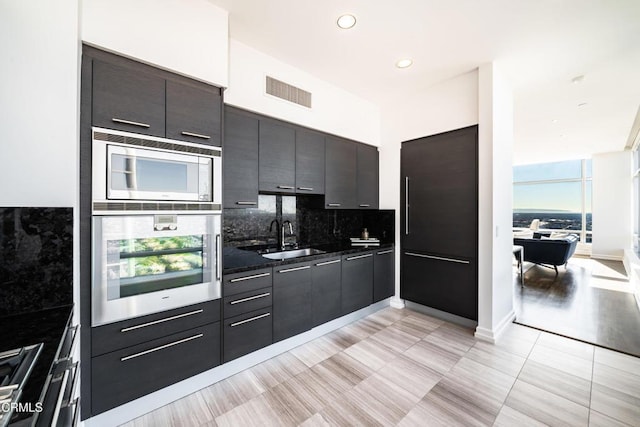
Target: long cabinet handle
column 359, row 257
column 242, row 322
column 406, row 205
column 255, row 276
column 286, row 187
column 365, row 205
column 246, row 203
column 305, row 188
column 129, row 122
column 166, row 319
column 289, row 270
column 334, row 205
column 195, row 135
column 328, row 262
column 459, row 261
column 238, row 301
column 385, row 252
column 162, row 347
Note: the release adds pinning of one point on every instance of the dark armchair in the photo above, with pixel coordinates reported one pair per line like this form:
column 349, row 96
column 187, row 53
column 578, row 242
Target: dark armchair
column 548, row 252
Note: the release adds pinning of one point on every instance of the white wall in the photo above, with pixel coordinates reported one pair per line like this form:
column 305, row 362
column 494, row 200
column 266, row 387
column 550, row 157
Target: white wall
column 450, row 105
column 612, row 204
column 334, row 110
column 189, row 37
column 38, row 102
column 495, row 150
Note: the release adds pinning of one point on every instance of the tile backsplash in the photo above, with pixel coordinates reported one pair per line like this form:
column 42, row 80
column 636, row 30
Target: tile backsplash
column 312, row 224
column 36, row 258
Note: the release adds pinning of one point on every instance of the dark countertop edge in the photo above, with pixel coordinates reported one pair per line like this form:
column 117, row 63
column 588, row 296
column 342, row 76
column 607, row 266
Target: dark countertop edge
column 329, row 253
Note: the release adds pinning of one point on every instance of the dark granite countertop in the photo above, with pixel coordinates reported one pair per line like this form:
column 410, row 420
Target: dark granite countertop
column 44, row 326
column 235, row 260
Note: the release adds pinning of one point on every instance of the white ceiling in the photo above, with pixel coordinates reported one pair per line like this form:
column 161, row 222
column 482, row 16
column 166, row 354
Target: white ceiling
column 540, row 44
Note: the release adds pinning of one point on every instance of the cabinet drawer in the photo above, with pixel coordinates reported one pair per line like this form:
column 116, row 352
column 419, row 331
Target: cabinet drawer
column 247, row 301
column 115, row 336
column 246, row 333
column 248, row 281
column 123, row 375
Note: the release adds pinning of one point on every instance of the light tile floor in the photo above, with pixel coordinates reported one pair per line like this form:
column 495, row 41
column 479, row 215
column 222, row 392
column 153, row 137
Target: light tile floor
column 400, row 367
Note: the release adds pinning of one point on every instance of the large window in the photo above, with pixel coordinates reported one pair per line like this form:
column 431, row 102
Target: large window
column 558, row 194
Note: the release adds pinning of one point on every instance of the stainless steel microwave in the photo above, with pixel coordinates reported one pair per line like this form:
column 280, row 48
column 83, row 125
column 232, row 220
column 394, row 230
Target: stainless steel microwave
column 128, row 169
column 145, row 264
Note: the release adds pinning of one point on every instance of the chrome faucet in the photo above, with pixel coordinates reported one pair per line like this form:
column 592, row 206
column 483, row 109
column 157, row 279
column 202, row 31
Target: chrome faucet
column 282, row 233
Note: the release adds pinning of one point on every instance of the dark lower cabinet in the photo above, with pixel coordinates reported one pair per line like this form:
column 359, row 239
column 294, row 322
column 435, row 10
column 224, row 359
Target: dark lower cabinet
column 357, row 281
column 383, row 274
column 326, row 290
column 235, row 305
column 246, row 333
column 123, row 375
column 291, row 300
column 443, row 283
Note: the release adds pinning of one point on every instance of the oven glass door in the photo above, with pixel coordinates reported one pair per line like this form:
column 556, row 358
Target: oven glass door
column 149, row 263
column 138, row 174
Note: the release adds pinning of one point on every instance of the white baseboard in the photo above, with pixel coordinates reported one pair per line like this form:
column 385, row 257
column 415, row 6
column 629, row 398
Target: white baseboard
column 607, row 257
column 143, row 405
column 397, row 303
column 492, row 335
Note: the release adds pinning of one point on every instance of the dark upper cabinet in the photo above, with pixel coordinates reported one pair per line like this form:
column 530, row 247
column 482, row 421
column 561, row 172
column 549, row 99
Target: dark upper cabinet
column 291, row 300
column 383, row 274
column 277, row 157
column 240, row 160
column 127, row 99
column 194, row 112
column 439, row 194
column 367, row 177
column 357, row 281
column 341, row 190
column 309, row 162
column 326, row 288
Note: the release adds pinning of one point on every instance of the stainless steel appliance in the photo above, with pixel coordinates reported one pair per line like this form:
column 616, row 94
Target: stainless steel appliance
column 15, row 367
column 149, row 263
column 132, row 172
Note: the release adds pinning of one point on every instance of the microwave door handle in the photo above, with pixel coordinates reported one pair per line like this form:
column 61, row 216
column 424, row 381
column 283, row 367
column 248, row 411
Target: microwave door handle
column 218, row 255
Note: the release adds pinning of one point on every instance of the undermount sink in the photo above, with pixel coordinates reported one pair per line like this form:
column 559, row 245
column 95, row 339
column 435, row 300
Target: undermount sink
column 293, row 253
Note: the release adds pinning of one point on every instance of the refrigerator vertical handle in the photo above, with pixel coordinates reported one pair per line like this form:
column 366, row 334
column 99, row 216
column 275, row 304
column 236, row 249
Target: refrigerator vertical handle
column 406, row 205
column 218, row 256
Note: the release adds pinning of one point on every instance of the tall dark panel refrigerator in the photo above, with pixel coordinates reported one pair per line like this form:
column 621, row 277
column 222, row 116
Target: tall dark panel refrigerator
column 439, row 222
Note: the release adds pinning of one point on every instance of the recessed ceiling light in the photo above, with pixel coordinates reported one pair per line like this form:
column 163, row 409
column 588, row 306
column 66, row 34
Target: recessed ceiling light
column 582, row 104
column 404, row 63
column 577, row 79
column 346, row 21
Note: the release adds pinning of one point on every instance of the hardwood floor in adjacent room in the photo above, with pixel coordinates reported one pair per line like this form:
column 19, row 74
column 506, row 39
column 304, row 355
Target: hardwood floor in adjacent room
column 400, row 367
column 591, row 300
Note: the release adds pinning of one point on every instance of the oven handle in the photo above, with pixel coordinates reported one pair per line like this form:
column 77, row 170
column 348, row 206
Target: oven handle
column 218, row 255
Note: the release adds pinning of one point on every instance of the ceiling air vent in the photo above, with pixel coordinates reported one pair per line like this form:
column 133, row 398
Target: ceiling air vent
column 288, row 92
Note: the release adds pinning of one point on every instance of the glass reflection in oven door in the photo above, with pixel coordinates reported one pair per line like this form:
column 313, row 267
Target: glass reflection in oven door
column 150, row 263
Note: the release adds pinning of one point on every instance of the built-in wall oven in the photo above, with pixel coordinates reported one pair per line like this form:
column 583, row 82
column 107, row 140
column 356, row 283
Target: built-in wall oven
column 156, row 225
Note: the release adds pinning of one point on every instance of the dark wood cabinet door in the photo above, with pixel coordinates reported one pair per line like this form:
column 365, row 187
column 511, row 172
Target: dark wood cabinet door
column 128, row 99
column 367, row 177
column 291, row 300
column 246, row 333
column 240, row 164
column 124, row 375
column 439, row 194
column 277, row 157
column 326, row 290
column 447, row 284
column 357, row 281
column 383, row 274
column 309, row 162
column 341, row 190
column 194, row 112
